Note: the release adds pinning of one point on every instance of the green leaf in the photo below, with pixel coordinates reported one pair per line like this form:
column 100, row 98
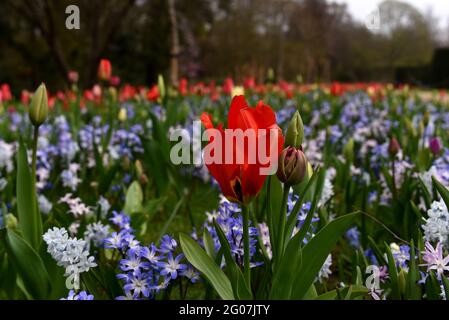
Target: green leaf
column 315, row 252
column 134, row 198
column 239, row 286
column 30, row 221
column 393, row 272
column 355, row 292
column 208, row 243
column 200, row 260
column 442, row 190
column 433, row 288
column 29, row 266
column 413, row 291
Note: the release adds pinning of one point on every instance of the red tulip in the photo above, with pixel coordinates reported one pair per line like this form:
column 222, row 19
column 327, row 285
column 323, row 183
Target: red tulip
column 73, row 76
column 105, row 70
column 228, row 85
column 153, row 93
column 183, row 86
column 241, row 181
column 115, row 81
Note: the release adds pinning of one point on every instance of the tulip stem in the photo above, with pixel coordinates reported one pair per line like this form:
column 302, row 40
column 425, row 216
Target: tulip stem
column 282, row 219
column 246, row 256
column 33, row 165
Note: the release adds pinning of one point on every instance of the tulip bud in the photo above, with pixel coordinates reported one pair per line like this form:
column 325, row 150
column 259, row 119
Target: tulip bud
column 39, row 106
column 104, row 70
column 122, row 115
column 393, row 147
column 295, row 132
column 435, row 146
column 292, row 166
column 161, row 86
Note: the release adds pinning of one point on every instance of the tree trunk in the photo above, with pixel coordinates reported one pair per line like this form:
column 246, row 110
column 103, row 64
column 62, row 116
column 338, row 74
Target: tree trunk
column 174, row 63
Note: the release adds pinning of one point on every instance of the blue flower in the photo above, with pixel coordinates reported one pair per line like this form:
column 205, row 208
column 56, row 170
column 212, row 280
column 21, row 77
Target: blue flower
column 168, row 244
column 138, row 284
column 133, row 262
column 172, row 266
column 353, row 236
column 83, row 295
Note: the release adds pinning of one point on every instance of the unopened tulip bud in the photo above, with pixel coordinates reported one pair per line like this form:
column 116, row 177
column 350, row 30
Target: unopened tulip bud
column 161, row 86
column 122, row 115
column 394, row 147
column 295, row 132
column 435, row 146
column 39, row 106
column 292, row 166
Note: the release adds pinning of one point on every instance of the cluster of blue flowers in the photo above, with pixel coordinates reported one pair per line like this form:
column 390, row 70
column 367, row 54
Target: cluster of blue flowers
column 228, row 217
column 146, row 270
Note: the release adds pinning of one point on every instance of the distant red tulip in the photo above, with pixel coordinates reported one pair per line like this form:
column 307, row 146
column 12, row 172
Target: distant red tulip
column 73, row 76
column 242, row 182
column 25, row 97
column 105, row 70
column 153, row 93
column 228, row 85
column 6, row 92
column 249, row 83
column 336, row 89
column 183, row 86
column 115, row 81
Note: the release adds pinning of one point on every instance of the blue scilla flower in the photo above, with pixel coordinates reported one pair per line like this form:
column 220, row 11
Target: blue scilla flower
column 353, row 236
column 172, row 266
column 117, row 240
column 83, row 295
column 138, row 283
column 168, row 244
column 401, row 255
column 121, row 220
column 133, row 261
column 150, row 254
column 369, row 253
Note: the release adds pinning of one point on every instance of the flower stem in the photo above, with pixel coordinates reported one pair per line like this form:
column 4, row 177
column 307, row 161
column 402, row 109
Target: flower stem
column 246, row 255
column 33, row 166
column 282, row 219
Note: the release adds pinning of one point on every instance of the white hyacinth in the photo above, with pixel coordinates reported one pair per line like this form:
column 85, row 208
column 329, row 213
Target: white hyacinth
column 69, row 253
column 436, row 227
column 6, row 156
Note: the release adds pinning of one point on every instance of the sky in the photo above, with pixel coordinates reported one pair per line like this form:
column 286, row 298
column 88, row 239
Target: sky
column 361, row 9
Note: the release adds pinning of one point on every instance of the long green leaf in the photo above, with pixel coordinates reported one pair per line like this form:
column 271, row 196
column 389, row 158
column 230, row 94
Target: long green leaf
column 442, row 190
column 30, row 221
column 239, row 286
column 200, row 260
column 29, row 266
column 315, row 252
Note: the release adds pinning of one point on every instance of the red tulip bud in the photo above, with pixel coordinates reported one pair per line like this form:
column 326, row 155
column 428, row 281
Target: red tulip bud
column 435, row 146
column 394, row 147
column 292, row 166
